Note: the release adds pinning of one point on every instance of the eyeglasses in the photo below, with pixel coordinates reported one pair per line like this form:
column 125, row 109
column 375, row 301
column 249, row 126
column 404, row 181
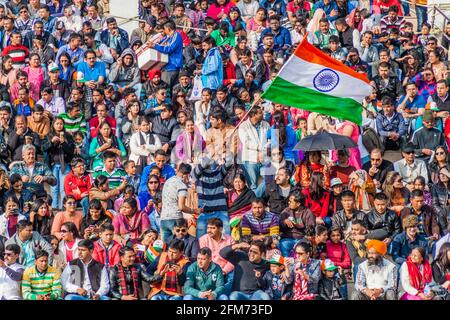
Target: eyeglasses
column 180, row 230
column 70, row 203
column 399, row 180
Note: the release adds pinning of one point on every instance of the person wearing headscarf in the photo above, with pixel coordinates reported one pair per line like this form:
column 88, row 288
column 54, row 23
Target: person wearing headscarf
column 376, row 278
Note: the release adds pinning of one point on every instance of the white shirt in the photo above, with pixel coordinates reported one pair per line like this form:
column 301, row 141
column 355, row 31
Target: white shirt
column 72, row 288
column 10, row 288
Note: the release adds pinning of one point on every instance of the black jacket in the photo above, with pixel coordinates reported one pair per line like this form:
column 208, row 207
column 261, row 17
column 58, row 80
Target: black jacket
column 116, row 289
column 274, row 198
column 191, row 247
column 94, row 273
column 15, row 144
column 56, row 150
column 383, row 226
column 340, row 220
column 393, row 88
column 2, row 245
column 227, row 105
column 440, row 199
column 383, row 169
column 327, row 286
column 164, row 129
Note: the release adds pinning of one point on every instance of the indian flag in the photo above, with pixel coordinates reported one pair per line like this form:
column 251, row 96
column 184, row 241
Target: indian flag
column 153, row 252
column 314, row 81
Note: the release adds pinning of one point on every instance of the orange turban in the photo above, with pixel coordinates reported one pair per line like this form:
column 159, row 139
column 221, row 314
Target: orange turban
column 378, row 245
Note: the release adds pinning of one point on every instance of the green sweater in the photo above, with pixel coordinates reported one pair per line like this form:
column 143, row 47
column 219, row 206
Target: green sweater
column 198, row 281
column 73, row 125
column 221, row 41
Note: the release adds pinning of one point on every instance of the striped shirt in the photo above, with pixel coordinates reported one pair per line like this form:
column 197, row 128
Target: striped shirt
column 114, row 178
column 73, row 125
column 35, row 283
column 210, row 188
column 268, row 225
column 386, row 24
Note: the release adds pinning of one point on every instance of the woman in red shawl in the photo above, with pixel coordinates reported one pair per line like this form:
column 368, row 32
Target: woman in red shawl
column 355, row 19
column 415, row 276
column 311, row 163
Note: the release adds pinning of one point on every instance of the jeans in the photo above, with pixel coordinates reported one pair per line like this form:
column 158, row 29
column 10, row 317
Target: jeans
column 228, row 286
column 58, row 189
column 73, row 296
column 203, row 218
column 252, row 172
column 286, row 245
column 166, row 229
column 170, row 77
column 259, row 192
column 85, row 205
column 422, row 16
column 165, row 296
column 257, row 295
column 191, row 297
column 405, row 7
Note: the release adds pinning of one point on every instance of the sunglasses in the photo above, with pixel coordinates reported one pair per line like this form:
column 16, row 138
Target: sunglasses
column 153, row 182
column 440, row 153
column 408, row 152
column 181, row 230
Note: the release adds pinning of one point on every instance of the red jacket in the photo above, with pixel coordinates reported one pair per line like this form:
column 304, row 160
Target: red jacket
column 72, row 182
column 229, row 73
column 338, row 253
column 99, row 253
column 318, row 208
column 93, row 125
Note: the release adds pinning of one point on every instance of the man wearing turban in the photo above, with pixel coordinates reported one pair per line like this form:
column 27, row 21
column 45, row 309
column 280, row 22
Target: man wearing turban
column 376, row 278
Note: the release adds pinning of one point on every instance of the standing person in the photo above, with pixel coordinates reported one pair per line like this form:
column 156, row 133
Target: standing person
column 253, row 136
column 172, row 45
column 247, row 266
column 204, row 279
column 41, row 281
column 416, row 276
column 376, row 278
column 212, row 68
column 84, row 278
column 10, row 273
column 174, row 196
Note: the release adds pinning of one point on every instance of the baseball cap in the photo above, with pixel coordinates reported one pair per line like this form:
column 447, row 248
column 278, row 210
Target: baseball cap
column 277, row 259
column 80, row 77
column 52, row 67
column 408, row 147
column 328, row 265
column 335, row 182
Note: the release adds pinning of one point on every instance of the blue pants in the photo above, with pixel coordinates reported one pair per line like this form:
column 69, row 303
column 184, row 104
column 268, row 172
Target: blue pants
column 257, row 295
column 252, row 173
column 165, row 296
column 58, row 189
column 191, row 297
column 228, row 283
column 85, row 205
column 286, row 245
column 202, row 222
column 422, row 16
column 259, row 192
column 405, row 7
column 166, row 229
column 73, row 296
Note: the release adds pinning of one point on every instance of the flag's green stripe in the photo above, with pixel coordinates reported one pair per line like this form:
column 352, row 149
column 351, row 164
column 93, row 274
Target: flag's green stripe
column 287, row 93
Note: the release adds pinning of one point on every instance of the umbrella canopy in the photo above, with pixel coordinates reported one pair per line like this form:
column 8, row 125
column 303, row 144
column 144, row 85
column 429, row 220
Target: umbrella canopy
column 323, row 140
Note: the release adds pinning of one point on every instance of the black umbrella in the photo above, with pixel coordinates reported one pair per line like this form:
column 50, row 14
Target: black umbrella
column 325, row 141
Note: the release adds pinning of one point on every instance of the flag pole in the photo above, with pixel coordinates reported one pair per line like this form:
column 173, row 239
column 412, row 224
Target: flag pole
column 246, row 114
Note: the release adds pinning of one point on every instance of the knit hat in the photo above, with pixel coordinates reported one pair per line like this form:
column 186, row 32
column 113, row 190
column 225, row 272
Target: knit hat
column 428, row 116
column 378, row 245
column 277, row 259
column 410, row 221
column 327, row 265
column 335, row 182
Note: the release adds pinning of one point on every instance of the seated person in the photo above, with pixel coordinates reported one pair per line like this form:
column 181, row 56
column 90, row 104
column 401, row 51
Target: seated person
column 409, row 167
column 390, row 125
column 260, row 223
column 180, row 231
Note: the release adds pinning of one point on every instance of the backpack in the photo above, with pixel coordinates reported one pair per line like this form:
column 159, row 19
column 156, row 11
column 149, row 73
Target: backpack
column 371, row 140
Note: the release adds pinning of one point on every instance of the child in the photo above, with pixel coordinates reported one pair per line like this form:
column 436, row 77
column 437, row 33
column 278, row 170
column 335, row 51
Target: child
column 271, row 244
column 273, row 282
column 330, row 284
column 132, row 178
column 419, row 183
column 302, row 128
column 81, row 147
column 128, row 192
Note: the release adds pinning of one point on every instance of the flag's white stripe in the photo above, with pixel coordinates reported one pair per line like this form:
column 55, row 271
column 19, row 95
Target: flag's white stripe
column 302, row 73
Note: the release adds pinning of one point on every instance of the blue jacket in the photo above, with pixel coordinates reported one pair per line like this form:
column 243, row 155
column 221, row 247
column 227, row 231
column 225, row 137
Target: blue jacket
column 327, row 8
column 278, row 5
column 396, row 124
column 167, row 172
column 174, row 49
column 402, row 246
column 282, row 38
column 123, row 42
column 291, row 141
column 212, row 70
